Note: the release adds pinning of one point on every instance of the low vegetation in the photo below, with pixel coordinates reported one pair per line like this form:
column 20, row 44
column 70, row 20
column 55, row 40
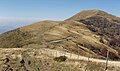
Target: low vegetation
column 60, row 58
column 33, row 60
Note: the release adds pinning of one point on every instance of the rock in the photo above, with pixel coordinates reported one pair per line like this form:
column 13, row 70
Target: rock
column 6, row 60
column 22, row 61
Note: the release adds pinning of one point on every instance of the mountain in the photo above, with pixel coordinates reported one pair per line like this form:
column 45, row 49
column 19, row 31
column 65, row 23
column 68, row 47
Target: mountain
column 89, row 31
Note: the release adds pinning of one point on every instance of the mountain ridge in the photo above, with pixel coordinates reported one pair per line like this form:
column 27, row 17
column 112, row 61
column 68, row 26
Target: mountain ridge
column 83, row 32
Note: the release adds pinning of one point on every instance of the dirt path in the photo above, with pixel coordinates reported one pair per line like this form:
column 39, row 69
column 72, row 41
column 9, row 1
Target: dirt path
column 74, row 56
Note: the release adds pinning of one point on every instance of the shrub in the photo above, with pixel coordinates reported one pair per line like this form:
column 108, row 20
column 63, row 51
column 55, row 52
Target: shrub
column 60, row 59
column 115, row 42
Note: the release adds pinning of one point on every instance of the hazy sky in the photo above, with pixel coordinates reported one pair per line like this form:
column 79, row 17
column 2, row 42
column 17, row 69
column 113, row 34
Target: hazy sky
column 53, row 9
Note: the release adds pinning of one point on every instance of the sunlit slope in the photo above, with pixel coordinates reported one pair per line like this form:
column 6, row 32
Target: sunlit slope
column 87, row 30
column 24, row 35
column 76, row 37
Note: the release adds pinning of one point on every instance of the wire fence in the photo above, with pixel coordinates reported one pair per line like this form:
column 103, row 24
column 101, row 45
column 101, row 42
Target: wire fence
column 70, row 55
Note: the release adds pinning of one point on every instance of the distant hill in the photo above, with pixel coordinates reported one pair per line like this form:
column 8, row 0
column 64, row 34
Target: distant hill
column 4, row 29
column 7, row 25
column 88, row 30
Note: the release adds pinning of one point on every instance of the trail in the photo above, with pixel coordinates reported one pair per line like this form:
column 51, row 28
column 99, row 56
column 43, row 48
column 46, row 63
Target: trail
column 78, row 57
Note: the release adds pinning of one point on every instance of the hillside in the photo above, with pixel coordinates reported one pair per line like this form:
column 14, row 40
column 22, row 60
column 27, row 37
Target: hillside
column 88, row 30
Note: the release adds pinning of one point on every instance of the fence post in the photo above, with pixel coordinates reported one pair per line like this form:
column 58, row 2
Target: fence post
column 64, row 53
column 88, row 58
column 88, row 55
column 78, row 54
column 53, row 54
column 56, row 53
column 60, row 53
column 70, row 54
column 107, row 60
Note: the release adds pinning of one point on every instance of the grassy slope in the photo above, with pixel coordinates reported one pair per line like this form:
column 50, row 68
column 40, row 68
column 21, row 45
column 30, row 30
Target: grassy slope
column 72, row 35
column 68, row 35
column 24, row 35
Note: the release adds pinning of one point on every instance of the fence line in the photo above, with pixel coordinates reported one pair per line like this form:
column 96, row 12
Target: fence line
column 71, row 55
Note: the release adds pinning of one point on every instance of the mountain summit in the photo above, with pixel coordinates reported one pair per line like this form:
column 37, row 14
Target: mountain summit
column 92, row 30
column 89, row 13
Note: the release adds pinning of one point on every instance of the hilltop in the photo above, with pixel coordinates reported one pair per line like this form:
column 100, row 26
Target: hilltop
column 89, row 13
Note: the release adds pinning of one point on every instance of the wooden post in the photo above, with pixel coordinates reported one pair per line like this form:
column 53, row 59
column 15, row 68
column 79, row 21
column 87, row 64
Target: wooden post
column 64, row 53
column 89, row 56
column 70, row 54
column 107, row 59
column 53, row 54
column 56, row 53
column 88, row 59
column 61, row 53
column 78, row 54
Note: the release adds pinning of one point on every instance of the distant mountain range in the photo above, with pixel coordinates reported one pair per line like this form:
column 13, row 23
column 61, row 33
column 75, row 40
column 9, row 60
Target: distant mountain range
column 89, row 31
column 7, row 25
column 5, row 29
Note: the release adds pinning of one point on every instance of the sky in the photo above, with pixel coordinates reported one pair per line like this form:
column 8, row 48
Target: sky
column 53, row 9
column 29, row 11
